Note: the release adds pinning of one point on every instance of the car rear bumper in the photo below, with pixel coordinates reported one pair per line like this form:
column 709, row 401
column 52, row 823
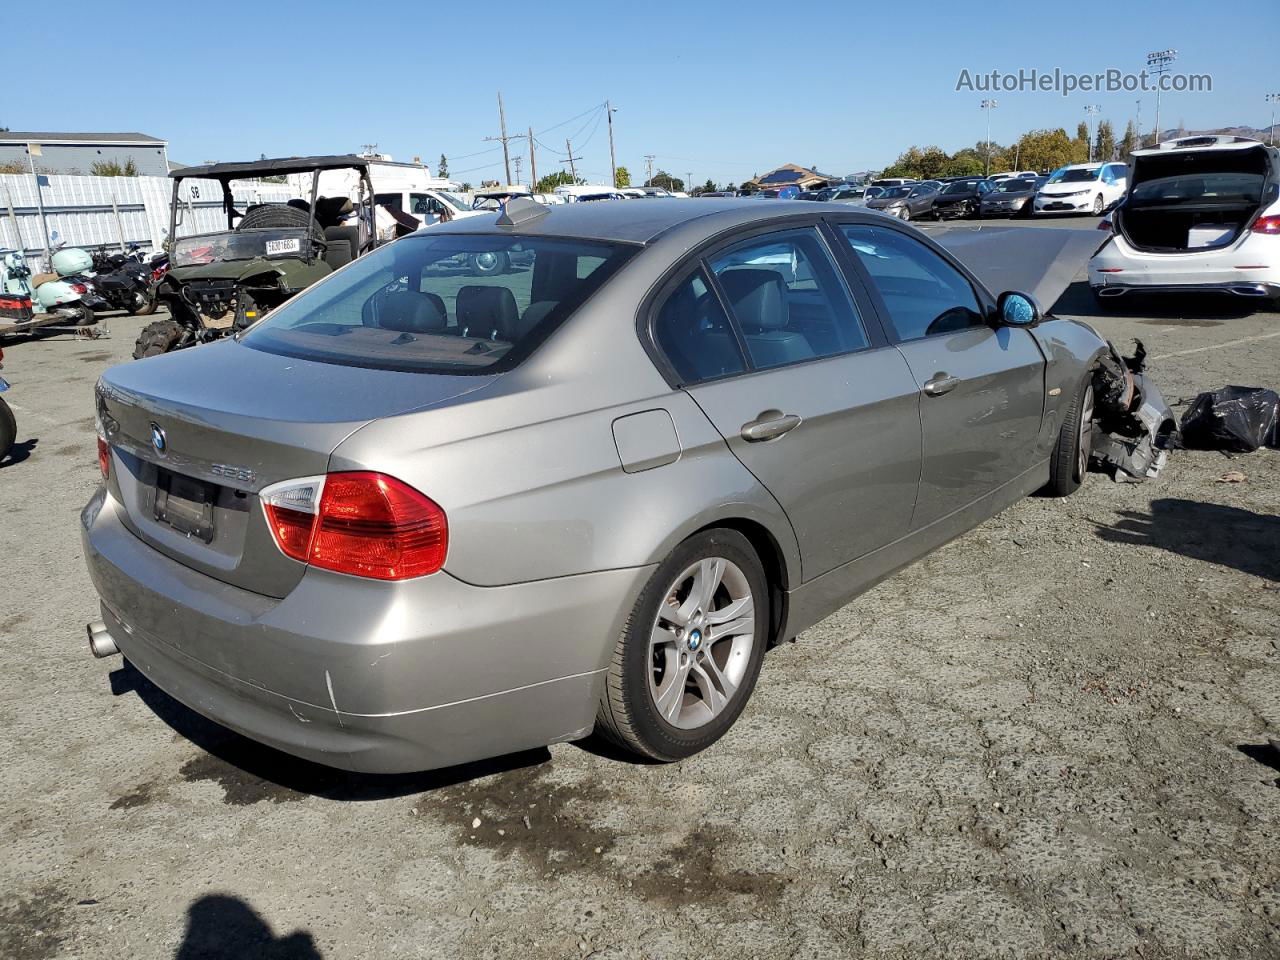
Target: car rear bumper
column 364, row 675
column 1239, row 289
column 1249, row 268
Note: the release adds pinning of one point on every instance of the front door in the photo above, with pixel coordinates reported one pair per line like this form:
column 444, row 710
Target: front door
column 981, row 389
column 826, row 418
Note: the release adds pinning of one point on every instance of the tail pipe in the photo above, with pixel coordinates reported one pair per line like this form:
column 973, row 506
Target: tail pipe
column 101, row 643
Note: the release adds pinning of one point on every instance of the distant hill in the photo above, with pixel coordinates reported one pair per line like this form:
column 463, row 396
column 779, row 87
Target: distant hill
column 1243, row 130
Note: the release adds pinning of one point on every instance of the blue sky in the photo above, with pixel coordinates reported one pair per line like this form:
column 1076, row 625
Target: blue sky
column 722, row 90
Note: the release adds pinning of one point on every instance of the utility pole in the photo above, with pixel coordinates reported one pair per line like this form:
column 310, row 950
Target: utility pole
column 1137, row 128
column 1272, row 98
column 648, row 163
column 573, row 170
column 1092, row 110
column 688, row 181
column 502, row 126
column 1158, row 63
column 33, row 151
column 518, row 160
column 613, row 162
column 533, row 163
column 989, row 105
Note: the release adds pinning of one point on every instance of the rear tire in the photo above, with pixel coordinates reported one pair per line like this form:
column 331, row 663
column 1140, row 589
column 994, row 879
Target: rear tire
column 1070, row 460
column 278, row 215
column 149, row 307
column 157, row 338
column 671, row 690
column 8, row 429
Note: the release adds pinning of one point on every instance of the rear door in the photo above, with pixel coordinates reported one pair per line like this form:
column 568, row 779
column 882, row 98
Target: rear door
column 981, row 388
column 767, row 338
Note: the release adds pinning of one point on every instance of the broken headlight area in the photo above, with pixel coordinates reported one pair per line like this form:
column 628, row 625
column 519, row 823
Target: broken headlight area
column 1134, row 428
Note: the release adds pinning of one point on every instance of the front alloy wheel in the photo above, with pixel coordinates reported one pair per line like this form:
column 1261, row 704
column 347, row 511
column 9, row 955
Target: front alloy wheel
column 691, row 651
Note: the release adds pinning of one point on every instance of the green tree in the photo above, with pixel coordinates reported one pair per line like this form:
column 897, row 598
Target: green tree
column 1129, row 142
column 560, row 178
column 442, row 169
column 622, row 177
column 666, row 181
column 113, row 168
column 966, row 162
column 1104, row 144
column 1045, row 149
column 708, row 187
column 1080, row 145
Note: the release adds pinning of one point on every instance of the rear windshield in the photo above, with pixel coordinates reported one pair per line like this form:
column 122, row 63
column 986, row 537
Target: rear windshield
column 1016, row 185
column 448, row 303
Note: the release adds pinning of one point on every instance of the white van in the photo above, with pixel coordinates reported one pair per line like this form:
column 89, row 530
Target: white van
column 406, row 187
column 573, row 193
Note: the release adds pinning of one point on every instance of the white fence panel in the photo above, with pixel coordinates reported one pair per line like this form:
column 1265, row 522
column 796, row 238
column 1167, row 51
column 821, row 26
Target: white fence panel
column 96, row 211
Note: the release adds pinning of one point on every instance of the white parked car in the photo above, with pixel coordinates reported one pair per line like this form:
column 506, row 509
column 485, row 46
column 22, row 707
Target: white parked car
column 1082, row 188
column 1202, row 213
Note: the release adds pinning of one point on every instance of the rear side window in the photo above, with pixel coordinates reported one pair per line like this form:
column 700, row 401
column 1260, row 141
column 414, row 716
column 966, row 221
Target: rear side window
column 694, row 334
column 444, row 303
column 788, row 299
column 923, row 293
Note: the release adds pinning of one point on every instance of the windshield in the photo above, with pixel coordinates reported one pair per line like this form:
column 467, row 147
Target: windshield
column 873, row 192
column 453, row 303
column 1013, row 186
column 240, row 245
column 453, row 200
column 961, row 186
column 1078, row 175
column 895, row 193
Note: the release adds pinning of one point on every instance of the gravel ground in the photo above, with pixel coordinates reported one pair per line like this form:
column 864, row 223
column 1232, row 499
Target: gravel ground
column 1046, row 739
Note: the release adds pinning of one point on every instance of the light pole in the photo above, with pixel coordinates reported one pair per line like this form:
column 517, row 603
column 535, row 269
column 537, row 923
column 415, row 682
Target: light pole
column 1092, row 110
column 989, row 105
column 1158, row 63
column 1272, row 98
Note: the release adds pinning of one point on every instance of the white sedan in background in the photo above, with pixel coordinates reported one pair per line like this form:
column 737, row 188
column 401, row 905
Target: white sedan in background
column 1083, row 188
column 1202, row 214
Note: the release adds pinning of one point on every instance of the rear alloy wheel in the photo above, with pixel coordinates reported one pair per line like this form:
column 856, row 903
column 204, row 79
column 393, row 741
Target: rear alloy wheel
column 1097, row 205
column 1070, row 460
column 691, row 651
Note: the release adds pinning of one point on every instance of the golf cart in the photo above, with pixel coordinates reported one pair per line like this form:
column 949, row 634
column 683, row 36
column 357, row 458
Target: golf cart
column 219, row 283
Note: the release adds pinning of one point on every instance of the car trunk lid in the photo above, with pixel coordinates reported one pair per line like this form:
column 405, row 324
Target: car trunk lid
column 196, row 434
column 1186, row 200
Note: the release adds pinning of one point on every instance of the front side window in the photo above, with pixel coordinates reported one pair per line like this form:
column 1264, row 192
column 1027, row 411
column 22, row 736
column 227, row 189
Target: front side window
column 788, row 298
column 691, row 329
column 443, row 303
column 923, row 293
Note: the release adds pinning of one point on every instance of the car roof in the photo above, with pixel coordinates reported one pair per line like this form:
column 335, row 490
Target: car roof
column 1208, row 142
column 641, row 223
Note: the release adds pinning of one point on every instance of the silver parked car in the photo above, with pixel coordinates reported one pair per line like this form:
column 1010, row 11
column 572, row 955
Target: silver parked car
column 420, row 515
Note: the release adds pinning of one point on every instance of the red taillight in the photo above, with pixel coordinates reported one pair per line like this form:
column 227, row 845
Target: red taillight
column 1269, row 225
column 104, row 458
column 1104, row 224
column 364, row 524
column 80, row 288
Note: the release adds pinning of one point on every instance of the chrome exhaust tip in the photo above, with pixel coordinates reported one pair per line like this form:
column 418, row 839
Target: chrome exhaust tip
column 101, row 643
column 1249, row 290
column 1111, row 291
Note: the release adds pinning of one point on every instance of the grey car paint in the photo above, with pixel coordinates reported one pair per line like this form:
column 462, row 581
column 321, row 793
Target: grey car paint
column 563, row 485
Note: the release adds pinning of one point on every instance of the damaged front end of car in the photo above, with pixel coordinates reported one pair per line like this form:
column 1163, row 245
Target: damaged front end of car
column 1134, row 428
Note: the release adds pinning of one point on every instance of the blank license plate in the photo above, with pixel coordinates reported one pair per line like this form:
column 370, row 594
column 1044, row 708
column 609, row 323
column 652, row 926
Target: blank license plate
column 185, row 504
column 283, row 246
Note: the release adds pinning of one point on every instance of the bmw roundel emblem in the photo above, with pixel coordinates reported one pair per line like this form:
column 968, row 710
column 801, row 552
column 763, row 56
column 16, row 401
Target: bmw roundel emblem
column 158, row 439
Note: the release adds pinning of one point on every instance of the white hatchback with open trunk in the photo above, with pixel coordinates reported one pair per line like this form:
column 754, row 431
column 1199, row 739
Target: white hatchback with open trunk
column 1201, row 213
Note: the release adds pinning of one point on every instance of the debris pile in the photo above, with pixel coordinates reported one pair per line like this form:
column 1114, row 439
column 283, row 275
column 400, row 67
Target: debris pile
column 1134, row 426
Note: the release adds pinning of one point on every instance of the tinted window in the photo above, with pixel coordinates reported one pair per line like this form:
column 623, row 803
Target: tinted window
column 693, row 332
column 447, row 303
column 392, row 201
column 923, row 293
column 788, row 298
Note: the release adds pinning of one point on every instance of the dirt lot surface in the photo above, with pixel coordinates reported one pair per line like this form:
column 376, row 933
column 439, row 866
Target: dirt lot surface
column 1047, row 739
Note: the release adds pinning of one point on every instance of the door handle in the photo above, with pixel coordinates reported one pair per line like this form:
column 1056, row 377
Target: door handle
column 769, row 426
column 940, row 384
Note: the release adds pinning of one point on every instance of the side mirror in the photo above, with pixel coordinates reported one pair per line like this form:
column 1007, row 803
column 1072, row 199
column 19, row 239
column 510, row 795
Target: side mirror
column 1017, row 310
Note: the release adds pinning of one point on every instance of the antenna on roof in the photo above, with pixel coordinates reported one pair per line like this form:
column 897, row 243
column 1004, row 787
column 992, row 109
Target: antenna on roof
column 520, row 210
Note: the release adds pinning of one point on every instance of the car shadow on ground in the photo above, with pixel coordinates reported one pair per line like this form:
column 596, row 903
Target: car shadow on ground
column 250, row 772
column 1189, row 309
column 220, row 925
column 1228, row 536
column 1267, row 754
column 18, row 452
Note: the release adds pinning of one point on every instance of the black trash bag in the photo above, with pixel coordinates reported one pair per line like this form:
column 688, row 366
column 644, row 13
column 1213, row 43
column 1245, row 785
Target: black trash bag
column 1235, row 419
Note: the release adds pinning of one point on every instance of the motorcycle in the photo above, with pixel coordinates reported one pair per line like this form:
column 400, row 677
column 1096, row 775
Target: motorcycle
column 67, row 292
column 124, row 281
column 8, row 425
